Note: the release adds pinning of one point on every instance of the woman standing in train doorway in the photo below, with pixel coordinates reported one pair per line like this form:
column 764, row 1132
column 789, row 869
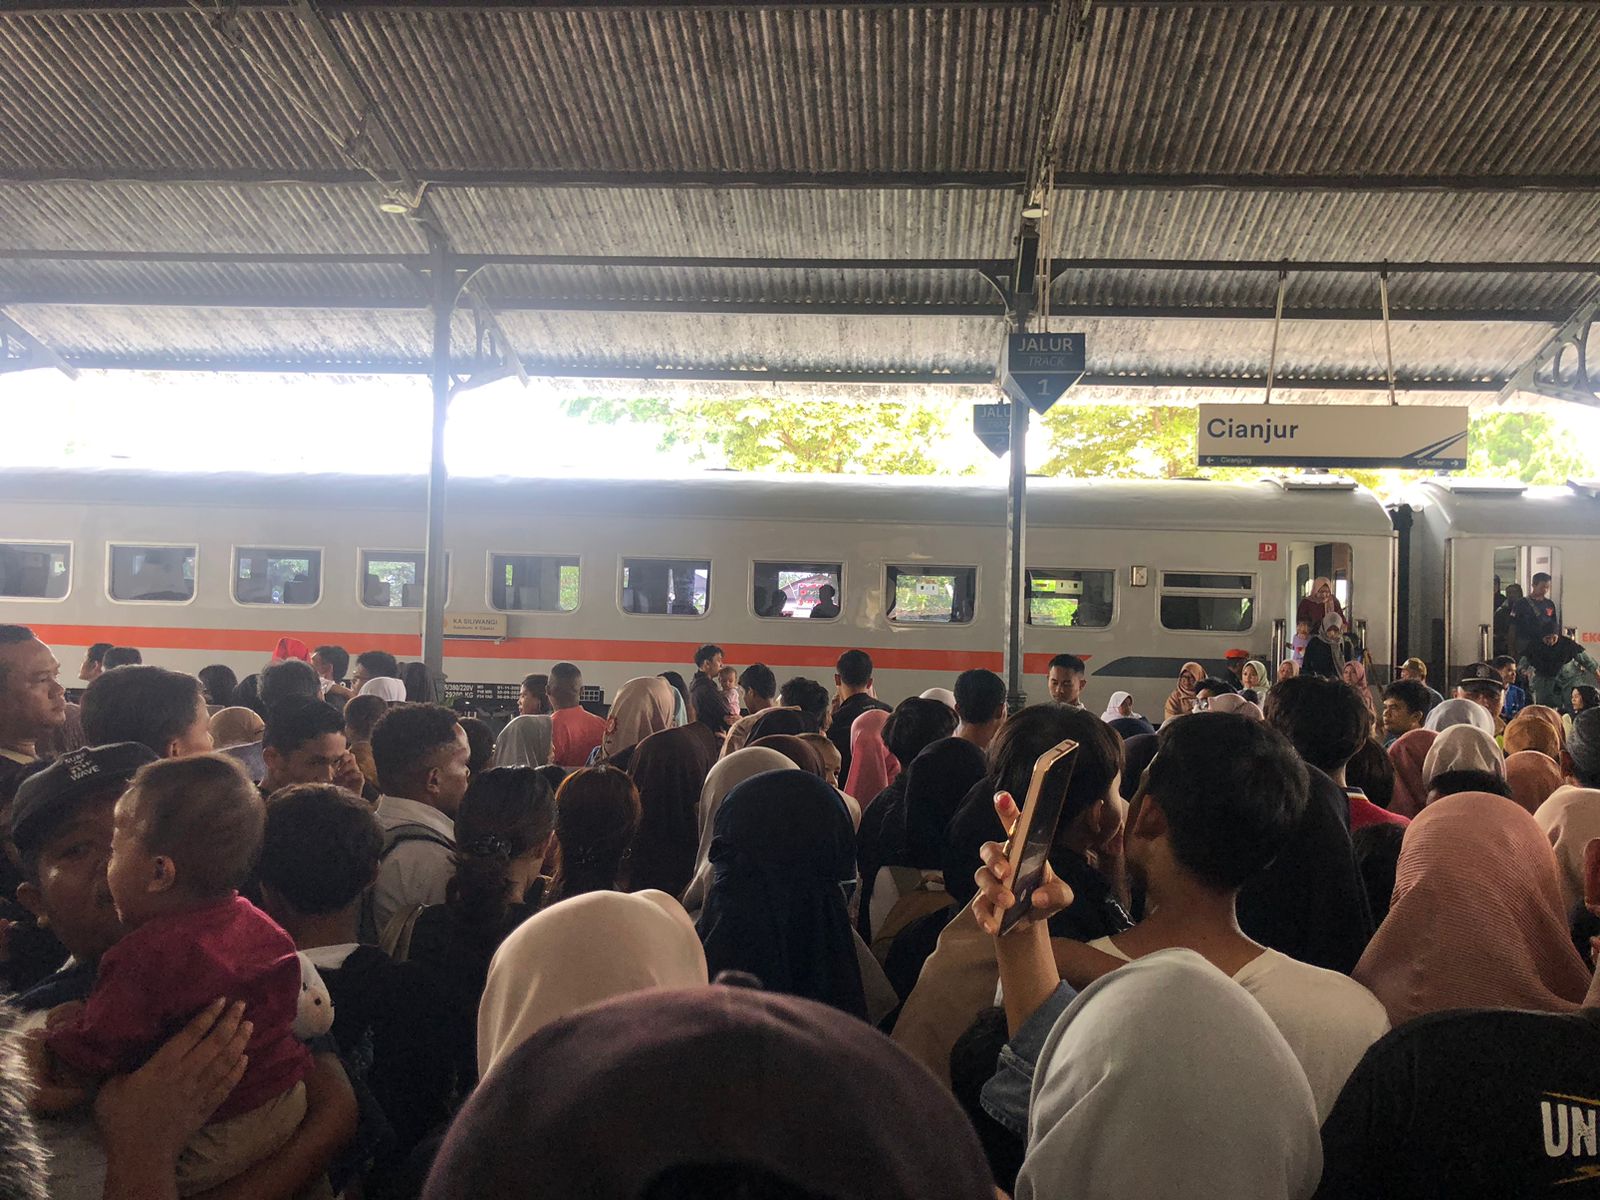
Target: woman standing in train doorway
column 1330, row 649
column 1316, row 607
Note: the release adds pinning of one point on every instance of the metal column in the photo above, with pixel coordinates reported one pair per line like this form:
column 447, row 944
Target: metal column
column 1016, row 558
column 1020, row 302
column 433, row 588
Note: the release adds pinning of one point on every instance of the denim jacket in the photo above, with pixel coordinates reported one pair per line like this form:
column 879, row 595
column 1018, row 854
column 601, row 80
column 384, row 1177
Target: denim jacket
column 1005, row 1097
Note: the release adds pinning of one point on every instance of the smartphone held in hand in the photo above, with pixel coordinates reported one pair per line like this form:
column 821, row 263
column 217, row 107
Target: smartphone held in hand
column 1035, row 831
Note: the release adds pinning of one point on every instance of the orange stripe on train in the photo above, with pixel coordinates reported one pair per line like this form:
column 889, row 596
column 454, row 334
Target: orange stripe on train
column 528, row 649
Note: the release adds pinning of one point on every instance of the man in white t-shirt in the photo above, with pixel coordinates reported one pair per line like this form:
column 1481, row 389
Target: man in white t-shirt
column 421, row 752
column 1222, row 796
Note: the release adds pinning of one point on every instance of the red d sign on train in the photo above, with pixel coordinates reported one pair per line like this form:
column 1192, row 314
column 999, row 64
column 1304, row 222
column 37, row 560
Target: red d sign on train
column 1267, row 552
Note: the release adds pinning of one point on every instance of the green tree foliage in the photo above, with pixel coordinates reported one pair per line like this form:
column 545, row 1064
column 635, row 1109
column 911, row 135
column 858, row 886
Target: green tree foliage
column 1532, row 447
column 777, row 434
column 1114, row 441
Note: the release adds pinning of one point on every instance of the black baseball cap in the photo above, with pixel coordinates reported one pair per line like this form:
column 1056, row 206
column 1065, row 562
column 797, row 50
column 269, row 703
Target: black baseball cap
column 1482, row 675
column 45, row 798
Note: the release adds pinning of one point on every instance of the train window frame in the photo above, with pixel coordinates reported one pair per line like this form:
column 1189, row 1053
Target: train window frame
column 1116, row 596
column 72, row 556
column 233, row 574
column 488, row 583
column 711, row 574
column 364, row 553
column 757, row 563
column 1253, row 593
column 930, row 568
column 111, row 549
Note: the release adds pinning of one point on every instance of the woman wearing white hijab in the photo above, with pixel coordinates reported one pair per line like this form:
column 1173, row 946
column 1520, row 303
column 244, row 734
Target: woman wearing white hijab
column 1459, row 712
column 1164, row 1078
column 728, row 774
column 1115, row 705
column 524, row 742
column 584, row 950
column 385, row 688
column 1463, row 748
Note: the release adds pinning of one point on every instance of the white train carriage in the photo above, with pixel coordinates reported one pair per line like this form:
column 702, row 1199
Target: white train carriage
column 1466, row 534
column 629, row 577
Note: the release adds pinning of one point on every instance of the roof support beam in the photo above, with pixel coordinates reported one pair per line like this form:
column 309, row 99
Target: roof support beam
column 1013, row 181
column 569, row 6
column 20, row 350
column 987, row 266
column 755, row 378
column 702, row 306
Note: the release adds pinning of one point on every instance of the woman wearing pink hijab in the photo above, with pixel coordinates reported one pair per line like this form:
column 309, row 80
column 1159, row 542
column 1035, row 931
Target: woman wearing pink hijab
column 872, row 767
column 1409, row 752
column 1477, row 919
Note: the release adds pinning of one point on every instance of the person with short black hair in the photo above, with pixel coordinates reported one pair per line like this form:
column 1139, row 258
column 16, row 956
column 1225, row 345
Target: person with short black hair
column 1209, row 688
column 1327, row 723
column 33, row 704
column 186, row 837
column 303, row 743
column 1405, row 707
column 1515, row 698
column 93, row 662
column 708, row 660
column 1222, row 798
column 1557, row 664
column 121, row 656
column 1371, row 772
column 480, row 739
column 980, row 705
column 373, row 664
column 289, row 677
column 852, row 696
column 162, row 709
column 707, row 703
column 218, row 683
column 319, row 856
column 759, row 690
column 421, row 754
column 575, row 733
column 1064, row 677
column 331, row 663
column 1532, row 615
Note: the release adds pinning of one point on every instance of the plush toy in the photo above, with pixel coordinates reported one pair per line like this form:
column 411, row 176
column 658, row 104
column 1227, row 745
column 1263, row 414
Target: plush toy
column 315, row 1015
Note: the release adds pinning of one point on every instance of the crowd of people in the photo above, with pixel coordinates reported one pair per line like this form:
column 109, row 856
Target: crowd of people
column 312, row 933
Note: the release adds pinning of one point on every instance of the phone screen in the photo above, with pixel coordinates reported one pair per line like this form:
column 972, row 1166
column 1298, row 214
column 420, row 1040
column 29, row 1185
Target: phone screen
column 1036, row 829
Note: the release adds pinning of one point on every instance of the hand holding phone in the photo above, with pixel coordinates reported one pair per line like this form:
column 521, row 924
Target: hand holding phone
column 1035, row 832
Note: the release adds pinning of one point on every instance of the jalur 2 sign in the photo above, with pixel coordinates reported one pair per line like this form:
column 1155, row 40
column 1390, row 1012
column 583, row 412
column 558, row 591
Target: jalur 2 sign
column 1321, row 435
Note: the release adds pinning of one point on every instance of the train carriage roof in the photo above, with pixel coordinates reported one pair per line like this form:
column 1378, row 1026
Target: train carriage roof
column 1534, row 515
column 1267, row 507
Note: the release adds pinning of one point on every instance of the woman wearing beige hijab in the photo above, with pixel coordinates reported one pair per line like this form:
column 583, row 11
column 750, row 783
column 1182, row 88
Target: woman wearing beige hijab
column 643, row 706
column 582, row 951
column 1180, row 703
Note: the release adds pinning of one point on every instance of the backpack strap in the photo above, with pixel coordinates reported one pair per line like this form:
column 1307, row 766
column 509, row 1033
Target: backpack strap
column 393, row 839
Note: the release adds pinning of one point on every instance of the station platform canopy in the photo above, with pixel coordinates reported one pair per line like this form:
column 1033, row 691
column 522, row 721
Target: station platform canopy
column 688, row 196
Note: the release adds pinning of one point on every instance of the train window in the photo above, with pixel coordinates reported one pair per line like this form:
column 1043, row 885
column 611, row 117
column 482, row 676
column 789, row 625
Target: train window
column 34, row 570
column 152, row 574
column 394, row 578
column 791, row 589
column 931, row 595
column 533, row 582
column 1079, row 599
column 666, row 587
column 263, row 576
column 1212, row 603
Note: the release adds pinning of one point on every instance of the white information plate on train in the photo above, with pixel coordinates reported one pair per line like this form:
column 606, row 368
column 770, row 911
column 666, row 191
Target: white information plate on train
column 1328, row 435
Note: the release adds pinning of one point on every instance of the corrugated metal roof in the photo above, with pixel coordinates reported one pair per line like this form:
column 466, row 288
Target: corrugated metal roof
column 1419, row 89
column 825, row 128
